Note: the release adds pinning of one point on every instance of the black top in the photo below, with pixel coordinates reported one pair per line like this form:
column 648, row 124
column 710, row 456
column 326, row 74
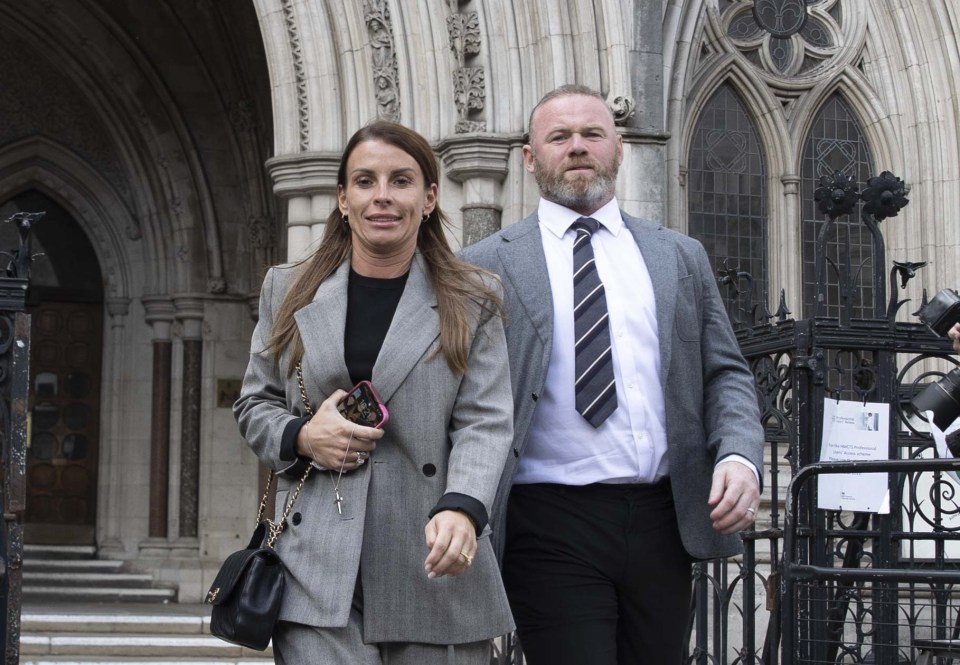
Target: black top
column 371, row 304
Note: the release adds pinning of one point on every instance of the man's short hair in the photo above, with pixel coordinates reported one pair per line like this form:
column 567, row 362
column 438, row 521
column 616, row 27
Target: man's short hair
column 568, row 90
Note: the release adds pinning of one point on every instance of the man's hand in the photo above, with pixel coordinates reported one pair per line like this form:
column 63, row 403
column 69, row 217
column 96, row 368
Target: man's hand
column 735, row 497
column 954, row 334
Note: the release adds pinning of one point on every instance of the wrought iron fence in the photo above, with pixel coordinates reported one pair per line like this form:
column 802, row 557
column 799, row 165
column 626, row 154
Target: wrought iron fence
column 738, row 616
column 14, row 384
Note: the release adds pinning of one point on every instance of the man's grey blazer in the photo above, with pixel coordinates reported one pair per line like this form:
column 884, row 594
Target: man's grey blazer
column 446, row 434
column 711, row 402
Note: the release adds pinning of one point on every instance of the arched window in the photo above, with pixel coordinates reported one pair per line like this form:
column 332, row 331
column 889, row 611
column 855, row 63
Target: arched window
column 835, row 143
column 727, row 198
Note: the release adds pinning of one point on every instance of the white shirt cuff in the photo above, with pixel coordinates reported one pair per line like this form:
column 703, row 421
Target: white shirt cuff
column 740, row 459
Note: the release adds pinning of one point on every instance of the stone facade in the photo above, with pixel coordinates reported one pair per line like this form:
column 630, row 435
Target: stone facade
column 151, row 124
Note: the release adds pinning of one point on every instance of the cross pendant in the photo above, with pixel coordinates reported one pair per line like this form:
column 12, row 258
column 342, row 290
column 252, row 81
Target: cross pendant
column 338, row 501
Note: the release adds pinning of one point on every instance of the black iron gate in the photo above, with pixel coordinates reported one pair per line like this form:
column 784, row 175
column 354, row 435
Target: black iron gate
column 737, row 615
column 14, row 384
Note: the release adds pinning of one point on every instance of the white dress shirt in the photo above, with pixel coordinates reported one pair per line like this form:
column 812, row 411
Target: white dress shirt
column 631, row 445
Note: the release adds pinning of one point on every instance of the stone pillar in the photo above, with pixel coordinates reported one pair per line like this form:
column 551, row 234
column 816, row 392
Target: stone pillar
column 160, row 315
column 646, row 67
column 109, row 543
column 479, row 162
column 788, row 242
column 308, row 181
column 189, row 312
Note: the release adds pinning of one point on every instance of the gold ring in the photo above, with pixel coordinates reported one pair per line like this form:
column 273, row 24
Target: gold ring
column 466, row 557
column 751, row 511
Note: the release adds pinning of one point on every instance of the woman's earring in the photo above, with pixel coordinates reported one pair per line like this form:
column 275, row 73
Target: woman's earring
column 346, row 221
column 426, row 215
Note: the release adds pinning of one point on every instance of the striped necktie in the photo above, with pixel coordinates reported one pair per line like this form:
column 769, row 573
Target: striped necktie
column 595, row 388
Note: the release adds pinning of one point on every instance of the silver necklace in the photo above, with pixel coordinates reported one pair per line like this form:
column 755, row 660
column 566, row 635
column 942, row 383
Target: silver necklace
column 309, row 409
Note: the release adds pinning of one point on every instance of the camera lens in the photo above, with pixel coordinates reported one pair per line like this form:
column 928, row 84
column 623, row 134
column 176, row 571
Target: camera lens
column 943, row 398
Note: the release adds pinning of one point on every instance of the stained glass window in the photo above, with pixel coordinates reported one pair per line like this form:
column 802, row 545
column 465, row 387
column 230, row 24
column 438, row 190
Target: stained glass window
column 835, row 143
column 727, row 188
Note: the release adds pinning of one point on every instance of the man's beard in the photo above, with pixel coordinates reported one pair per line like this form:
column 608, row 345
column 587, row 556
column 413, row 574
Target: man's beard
column 581, row 193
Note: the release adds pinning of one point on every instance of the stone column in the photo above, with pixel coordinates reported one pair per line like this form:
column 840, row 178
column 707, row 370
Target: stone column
column 160, row 316
column 787, row 238
column 308, row 181
column 189, row 312
column 479, row 162
column 110, row 505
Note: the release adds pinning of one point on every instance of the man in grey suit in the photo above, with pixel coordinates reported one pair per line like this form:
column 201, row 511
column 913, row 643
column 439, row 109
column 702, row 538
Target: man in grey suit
column 637, row 441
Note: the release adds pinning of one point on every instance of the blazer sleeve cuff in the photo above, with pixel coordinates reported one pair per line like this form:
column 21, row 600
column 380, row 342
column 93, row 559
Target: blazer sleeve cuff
column 295, row 465
column 471, row 507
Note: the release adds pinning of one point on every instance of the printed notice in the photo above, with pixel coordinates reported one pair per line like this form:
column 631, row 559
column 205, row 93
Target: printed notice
column 854, row 431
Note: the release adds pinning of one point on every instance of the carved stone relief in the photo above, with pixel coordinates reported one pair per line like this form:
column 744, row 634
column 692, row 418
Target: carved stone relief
column 299, row 69
column 623, row 108
column 376, row 14
column 469, row 80
column 786, row 39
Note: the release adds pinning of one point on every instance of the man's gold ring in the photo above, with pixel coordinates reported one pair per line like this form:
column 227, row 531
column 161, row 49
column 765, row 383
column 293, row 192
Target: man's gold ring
column 751, row 511
column 466, row 557
column 361, row 457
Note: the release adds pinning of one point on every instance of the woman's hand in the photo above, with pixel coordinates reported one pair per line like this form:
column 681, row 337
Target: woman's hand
column 452, row 540
column 331, row 440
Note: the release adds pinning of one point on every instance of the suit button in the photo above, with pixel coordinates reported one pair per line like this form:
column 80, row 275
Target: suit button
column 429, row 470
column 516, row 453
column 297, row 518
column 535, row 396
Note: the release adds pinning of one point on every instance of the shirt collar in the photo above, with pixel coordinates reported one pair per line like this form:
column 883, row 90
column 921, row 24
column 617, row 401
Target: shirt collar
column 557, row 219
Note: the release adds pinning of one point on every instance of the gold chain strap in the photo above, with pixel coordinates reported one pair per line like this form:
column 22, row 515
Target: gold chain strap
column 276, row 528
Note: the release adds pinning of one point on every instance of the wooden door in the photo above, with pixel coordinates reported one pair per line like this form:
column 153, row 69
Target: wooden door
column 64, row 442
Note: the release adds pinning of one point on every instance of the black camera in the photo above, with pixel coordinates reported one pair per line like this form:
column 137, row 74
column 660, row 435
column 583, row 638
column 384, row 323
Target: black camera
column 942, row 397
column 941, row 313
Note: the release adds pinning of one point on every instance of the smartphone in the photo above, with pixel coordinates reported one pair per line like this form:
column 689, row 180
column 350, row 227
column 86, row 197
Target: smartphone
column 362, row 405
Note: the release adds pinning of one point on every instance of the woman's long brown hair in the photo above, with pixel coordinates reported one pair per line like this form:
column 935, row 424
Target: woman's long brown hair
column 455, row 282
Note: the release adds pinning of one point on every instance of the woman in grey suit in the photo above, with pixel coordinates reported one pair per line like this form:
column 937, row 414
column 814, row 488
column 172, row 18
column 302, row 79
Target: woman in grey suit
column 387, row 550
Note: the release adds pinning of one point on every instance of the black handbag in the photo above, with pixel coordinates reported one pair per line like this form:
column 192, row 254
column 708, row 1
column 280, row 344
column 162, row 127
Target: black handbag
column 248, row 590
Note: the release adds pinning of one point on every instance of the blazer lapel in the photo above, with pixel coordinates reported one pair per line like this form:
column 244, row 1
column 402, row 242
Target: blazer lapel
column 661, row 263
column 321, row 325
column 525, row 265
column 415, row 326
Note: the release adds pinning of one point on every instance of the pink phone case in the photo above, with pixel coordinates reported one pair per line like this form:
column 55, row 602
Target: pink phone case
column 362, row 405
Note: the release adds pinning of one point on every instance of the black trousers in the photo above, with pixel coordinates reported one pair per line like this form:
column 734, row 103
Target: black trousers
column 597, row 575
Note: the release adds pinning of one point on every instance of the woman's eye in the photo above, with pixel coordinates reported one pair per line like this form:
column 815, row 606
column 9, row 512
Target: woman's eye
column 362, row 182
column 403, row 181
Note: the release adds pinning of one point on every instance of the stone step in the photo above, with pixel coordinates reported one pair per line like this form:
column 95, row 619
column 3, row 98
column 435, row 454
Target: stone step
column 114, row 623
column 59, row 551
column 112, row 633
column 72, row 565
column 79, row 594
column 78, row 579
column 71, row 660
column 166, row 647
